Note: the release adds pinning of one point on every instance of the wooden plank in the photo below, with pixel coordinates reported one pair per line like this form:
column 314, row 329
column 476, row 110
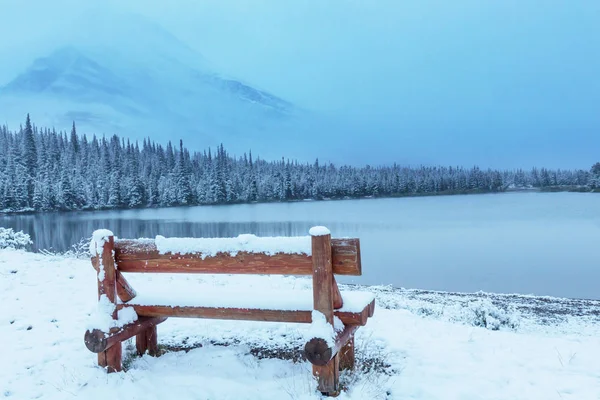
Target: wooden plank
column 355, row 318
column 318, row 352
column 239, row 314
column 124, row 290
column 142, row 256
column 371, row 309
column 346, row 257
column 242, row 263
column 338, row 302
column 243, row 314
column 97, row 341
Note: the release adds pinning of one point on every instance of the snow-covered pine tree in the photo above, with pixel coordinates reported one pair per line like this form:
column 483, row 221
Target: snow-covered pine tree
column 29, row 161
column 185, row 196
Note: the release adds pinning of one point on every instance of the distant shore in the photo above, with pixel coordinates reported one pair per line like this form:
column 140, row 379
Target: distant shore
column 548, row 189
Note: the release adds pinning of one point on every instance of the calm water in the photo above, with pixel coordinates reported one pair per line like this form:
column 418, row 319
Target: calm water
column 547, row 244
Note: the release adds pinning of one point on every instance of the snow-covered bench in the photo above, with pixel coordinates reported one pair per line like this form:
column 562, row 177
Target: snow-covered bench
column 334, row 316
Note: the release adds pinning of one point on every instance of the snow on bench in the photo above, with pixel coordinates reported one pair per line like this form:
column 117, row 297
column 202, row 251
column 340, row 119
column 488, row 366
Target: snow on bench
column 204, row 301
column 334, row 316
column 153, row 293
column 210, row 247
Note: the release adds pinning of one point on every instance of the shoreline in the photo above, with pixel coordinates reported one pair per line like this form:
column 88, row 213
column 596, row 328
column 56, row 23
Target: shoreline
column 549, row 189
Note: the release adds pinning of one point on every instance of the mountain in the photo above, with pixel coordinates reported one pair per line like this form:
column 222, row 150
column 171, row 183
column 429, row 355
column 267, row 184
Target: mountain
column 143, row 82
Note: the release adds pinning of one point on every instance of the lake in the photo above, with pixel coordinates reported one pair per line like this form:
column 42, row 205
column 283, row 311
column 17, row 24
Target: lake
column 531, row 243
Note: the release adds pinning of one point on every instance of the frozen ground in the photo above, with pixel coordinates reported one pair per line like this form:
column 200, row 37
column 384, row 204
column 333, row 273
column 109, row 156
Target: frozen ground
column 419, row 345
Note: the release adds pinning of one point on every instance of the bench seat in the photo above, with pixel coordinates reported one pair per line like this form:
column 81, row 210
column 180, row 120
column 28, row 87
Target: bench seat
column 216, row 302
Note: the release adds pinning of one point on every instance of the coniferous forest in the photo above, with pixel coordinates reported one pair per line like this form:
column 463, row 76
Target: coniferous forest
column 46, row 170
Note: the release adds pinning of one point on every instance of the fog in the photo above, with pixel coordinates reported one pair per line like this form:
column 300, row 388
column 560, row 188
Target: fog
column 495, row 83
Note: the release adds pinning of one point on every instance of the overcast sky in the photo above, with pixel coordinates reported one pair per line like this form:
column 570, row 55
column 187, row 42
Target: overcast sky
column 524, row 70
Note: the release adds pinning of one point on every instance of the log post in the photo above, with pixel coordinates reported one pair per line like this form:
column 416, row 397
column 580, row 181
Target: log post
column 323, row 297
column 152, row 341
column 141, row 345
column 318, row 352
column 104, row 263
column 147, row 341
column 347, row 360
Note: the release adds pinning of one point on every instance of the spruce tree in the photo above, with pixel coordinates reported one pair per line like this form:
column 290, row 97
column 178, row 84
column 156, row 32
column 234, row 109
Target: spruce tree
column 184, row 194
column 67, row 198
column 252, row 190
column 74, row 140
column 29, row 161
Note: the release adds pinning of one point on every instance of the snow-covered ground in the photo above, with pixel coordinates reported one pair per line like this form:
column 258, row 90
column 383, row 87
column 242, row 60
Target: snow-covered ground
column 419, row 345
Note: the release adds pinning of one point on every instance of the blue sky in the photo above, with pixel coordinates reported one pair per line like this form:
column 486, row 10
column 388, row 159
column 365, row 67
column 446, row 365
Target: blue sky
column 492, row 76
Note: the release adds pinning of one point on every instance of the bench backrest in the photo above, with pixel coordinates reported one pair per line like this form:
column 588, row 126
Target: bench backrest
column 317, row 255
column 186, row 256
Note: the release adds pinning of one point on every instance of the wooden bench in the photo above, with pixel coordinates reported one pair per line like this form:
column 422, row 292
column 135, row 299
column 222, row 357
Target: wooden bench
column 317, row 255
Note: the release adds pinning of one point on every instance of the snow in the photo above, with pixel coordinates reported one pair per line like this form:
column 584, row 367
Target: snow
column 101, row 318
column 338, row 325
column 10, row 239
column 319, row 231
column 426, row 355
column 320, row 328
column 99, row 237
column 247, row 243
column 235, row 295
column 125, row 316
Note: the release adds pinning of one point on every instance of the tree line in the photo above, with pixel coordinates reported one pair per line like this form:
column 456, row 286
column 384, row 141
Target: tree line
column 45, row 170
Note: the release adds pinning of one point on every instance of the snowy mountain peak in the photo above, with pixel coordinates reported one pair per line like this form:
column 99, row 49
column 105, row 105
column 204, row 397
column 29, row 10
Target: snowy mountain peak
column 66, row 72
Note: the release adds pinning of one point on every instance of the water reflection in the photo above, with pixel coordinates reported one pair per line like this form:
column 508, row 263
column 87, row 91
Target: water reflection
column 59, row 233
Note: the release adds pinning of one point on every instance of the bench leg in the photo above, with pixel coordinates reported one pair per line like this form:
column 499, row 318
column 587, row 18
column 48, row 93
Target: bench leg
column 347, row 355
column 328, row 377
column 111, row 358
column 147, row 341
column 152, row 341
column 140, row 343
